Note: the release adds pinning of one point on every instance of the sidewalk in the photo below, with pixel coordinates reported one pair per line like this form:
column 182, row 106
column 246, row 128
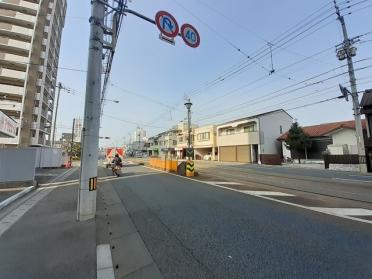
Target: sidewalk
column 40, row 237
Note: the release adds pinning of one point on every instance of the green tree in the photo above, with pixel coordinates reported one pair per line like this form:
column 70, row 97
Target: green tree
column 297, row 140
column 76, row 150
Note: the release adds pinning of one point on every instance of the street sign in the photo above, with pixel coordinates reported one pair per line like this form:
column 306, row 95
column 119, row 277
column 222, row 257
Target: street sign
column 167, row 24
column 190, row 35
column 167, row 39
column 190, row 152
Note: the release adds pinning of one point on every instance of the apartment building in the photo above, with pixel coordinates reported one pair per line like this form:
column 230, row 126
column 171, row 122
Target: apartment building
column 182, row 138
column 253, row 139
column 205, row 143
column 163, row 144
column 30, row 40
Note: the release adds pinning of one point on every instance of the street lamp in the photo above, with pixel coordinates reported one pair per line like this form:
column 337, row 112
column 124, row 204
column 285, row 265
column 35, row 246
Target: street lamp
column 188, row 105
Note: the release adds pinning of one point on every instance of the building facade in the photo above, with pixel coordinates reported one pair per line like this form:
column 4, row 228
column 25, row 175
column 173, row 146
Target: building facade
column 183, row 138
column 205, row 143
column 253, row 139
column 30, row 40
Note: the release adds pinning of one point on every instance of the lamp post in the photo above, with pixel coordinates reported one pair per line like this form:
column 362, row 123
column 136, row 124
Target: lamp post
column 188, row 105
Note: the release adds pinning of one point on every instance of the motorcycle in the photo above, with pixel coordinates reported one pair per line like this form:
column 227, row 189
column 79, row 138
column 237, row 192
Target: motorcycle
column 116, row 169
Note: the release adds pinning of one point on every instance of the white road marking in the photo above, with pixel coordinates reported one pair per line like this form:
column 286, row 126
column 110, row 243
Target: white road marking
column 345, row 211
column 105, row 270
column 267, row 193
column 16, row 214
column 352, row 180
column 224, row 183
column 316, row 209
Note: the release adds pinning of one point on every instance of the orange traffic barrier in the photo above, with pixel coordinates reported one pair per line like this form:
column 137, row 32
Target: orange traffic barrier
column 167, row 165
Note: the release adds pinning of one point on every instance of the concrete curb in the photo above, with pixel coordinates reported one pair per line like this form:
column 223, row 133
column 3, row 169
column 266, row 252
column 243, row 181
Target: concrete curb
column 21, row 194
column 16, row 197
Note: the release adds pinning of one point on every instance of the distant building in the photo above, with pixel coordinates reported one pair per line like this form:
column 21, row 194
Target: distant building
column 78, row 128
column 30, row 40
column 253, row 139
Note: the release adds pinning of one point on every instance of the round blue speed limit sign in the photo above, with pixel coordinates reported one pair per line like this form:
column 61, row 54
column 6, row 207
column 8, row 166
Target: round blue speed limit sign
column 190, row 35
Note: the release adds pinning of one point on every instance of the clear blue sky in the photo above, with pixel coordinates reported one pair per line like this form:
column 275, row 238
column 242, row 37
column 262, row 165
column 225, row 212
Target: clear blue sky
column 163, row 74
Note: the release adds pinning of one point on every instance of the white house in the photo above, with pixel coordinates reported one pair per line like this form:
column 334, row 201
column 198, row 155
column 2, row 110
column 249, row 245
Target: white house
column 253, row 139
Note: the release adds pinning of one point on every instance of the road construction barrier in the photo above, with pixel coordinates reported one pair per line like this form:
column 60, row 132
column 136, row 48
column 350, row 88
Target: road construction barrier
column 190, row 168
column 167, row 165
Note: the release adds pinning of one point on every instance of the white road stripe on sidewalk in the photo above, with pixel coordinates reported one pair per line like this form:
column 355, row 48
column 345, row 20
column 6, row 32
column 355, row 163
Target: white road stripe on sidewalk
column 267, row 193
column 105, row 269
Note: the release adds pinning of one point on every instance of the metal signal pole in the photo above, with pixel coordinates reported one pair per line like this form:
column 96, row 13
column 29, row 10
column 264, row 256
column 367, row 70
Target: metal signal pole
column 348, row 51
column 86, row 207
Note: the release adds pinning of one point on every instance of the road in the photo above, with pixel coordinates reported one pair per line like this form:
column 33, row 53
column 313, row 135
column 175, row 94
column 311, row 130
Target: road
column 346, row 185
column 198, row 229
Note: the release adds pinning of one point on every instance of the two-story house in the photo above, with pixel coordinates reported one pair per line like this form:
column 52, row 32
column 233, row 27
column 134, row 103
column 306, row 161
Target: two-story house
column 253, row 139
column 205, row 143
column 182, row 138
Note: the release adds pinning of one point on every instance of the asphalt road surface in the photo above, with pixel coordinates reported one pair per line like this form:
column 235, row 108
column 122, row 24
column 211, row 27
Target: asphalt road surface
column 197, row 230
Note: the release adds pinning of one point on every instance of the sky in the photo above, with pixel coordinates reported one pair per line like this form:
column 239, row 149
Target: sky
column 151, row 78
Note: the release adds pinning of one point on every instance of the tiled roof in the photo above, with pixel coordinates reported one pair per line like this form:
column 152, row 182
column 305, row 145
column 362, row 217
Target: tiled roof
column 325, row 129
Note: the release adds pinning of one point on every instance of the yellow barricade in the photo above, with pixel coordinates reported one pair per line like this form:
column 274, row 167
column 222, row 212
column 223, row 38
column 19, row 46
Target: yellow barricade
column 167, row 165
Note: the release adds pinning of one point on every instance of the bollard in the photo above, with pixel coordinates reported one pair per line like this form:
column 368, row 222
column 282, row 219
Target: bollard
column 190, row 168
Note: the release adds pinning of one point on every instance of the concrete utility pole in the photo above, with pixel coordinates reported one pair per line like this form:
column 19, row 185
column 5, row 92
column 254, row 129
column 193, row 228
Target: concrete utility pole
column 72, row 140
column 188, row 105
column 348, row 51
column 56, row 113
column 86, row 207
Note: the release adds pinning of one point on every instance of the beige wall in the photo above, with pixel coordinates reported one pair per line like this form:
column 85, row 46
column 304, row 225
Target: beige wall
column 212, row 142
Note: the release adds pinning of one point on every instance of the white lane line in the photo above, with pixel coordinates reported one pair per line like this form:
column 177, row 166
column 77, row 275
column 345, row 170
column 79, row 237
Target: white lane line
column 352, row 180
column 267, row 193
column 105, row 270
column 224, row 183
column 272, row 199
column 345, row 211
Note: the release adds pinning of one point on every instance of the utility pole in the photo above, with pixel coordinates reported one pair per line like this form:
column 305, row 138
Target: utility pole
column 188, row 105
column 86, row 208
column 139, row 139
column 72, row 140
column 56, row 113
column 348, row 51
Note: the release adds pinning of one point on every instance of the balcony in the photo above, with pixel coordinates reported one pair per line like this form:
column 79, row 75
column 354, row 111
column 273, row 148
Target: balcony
column 238, row 139
column 17, row 8
column 39, row 82
column 16, row 21
column 4, row 80
column 14, row 50
column 42, row 55
column 38, row 96
column 15, row 35
column 16, row 66
column 36, row 111
column 34, row 125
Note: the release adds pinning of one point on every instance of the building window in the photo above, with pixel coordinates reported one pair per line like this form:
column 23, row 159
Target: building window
column 230, row 131
column 174, row 142
column 250, row 128
column 203, row 136
column 281, row 129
